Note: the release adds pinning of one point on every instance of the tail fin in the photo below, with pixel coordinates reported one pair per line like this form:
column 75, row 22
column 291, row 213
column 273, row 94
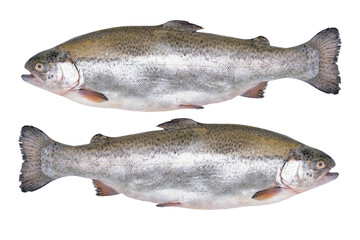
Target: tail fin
column 327, row 43
column 32, row 141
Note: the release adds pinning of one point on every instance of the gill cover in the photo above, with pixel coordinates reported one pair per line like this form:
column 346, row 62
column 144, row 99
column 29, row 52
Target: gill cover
column 291, row 171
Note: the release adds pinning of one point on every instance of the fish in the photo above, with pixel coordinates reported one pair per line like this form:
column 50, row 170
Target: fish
column 173, row 66
column 186, row 164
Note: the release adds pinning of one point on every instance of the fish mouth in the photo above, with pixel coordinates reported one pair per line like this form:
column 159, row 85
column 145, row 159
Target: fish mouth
column 27, row 77
column 327, row 177
column 30, row 78
column 331, row 175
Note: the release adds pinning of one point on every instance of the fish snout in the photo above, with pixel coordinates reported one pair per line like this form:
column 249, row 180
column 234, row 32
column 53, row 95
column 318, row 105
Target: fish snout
column 27, row 77
column 331, row 175
column 30, row 78
column 326, row 177
column 27, row 65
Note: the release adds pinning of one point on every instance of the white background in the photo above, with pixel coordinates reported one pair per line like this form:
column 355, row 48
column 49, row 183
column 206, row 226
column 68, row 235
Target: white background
column 68, row 208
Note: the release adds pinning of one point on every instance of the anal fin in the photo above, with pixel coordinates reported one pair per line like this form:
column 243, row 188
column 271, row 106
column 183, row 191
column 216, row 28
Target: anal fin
column 256, row 92
column 169, row 204
column 190, row 106
column 92, row 96
column 267, row 193
column 103, row 189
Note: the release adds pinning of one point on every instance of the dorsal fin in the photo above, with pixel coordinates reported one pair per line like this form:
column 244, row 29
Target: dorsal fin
column 178, row 123
column 98, row 138
column 261, row 40
column 182, row 26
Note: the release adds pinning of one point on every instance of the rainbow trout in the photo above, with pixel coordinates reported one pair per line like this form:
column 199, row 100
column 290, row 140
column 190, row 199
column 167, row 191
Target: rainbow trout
column 172, row 66
column 188, row 164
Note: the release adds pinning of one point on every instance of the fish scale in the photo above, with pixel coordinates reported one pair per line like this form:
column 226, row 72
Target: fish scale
column 188, row 164
column 173, row 66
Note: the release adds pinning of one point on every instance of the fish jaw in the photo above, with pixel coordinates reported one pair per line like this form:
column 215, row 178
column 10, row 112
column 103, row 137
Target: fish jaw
column 30, row 78
column 65, row 77
column 327, row 177
column 38, row 82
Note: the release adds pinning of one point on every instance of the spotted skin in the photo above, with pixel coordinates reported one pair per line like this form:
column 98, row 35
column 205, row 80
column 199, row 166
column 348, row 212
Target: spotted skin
column 189, row 164
column 167, row 67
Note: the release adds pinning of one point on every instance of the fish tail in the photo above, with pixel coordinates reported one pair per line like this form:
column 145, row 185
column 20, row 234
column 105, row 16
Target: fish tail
column 327, row 43
column 32, row 141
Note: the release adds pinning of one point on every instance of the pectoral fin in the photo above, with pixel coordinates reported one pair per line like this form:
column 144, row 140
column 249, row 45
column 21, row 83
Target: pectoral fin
column 267, row 193
column 92, row 96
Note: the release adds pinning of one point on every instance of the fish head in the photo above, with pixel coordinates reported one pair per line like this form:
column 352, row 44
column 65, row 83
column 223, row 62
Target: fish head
column 52, row 70
column 307, row 168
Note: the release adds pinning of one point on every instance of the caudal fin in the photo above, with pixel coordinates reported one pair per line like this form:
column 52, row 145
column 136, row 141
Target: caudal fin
column 327, row 43
column 32, row 141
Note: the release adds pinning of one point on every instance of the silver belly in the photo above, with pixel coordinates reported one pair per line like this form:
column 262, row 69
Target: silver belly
column 163, row 82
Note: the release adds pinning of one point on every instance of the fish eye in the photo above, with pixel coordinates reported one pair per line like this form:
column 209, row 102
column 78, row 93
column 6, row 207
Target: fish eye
column 39, row 67
column 320, row 165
